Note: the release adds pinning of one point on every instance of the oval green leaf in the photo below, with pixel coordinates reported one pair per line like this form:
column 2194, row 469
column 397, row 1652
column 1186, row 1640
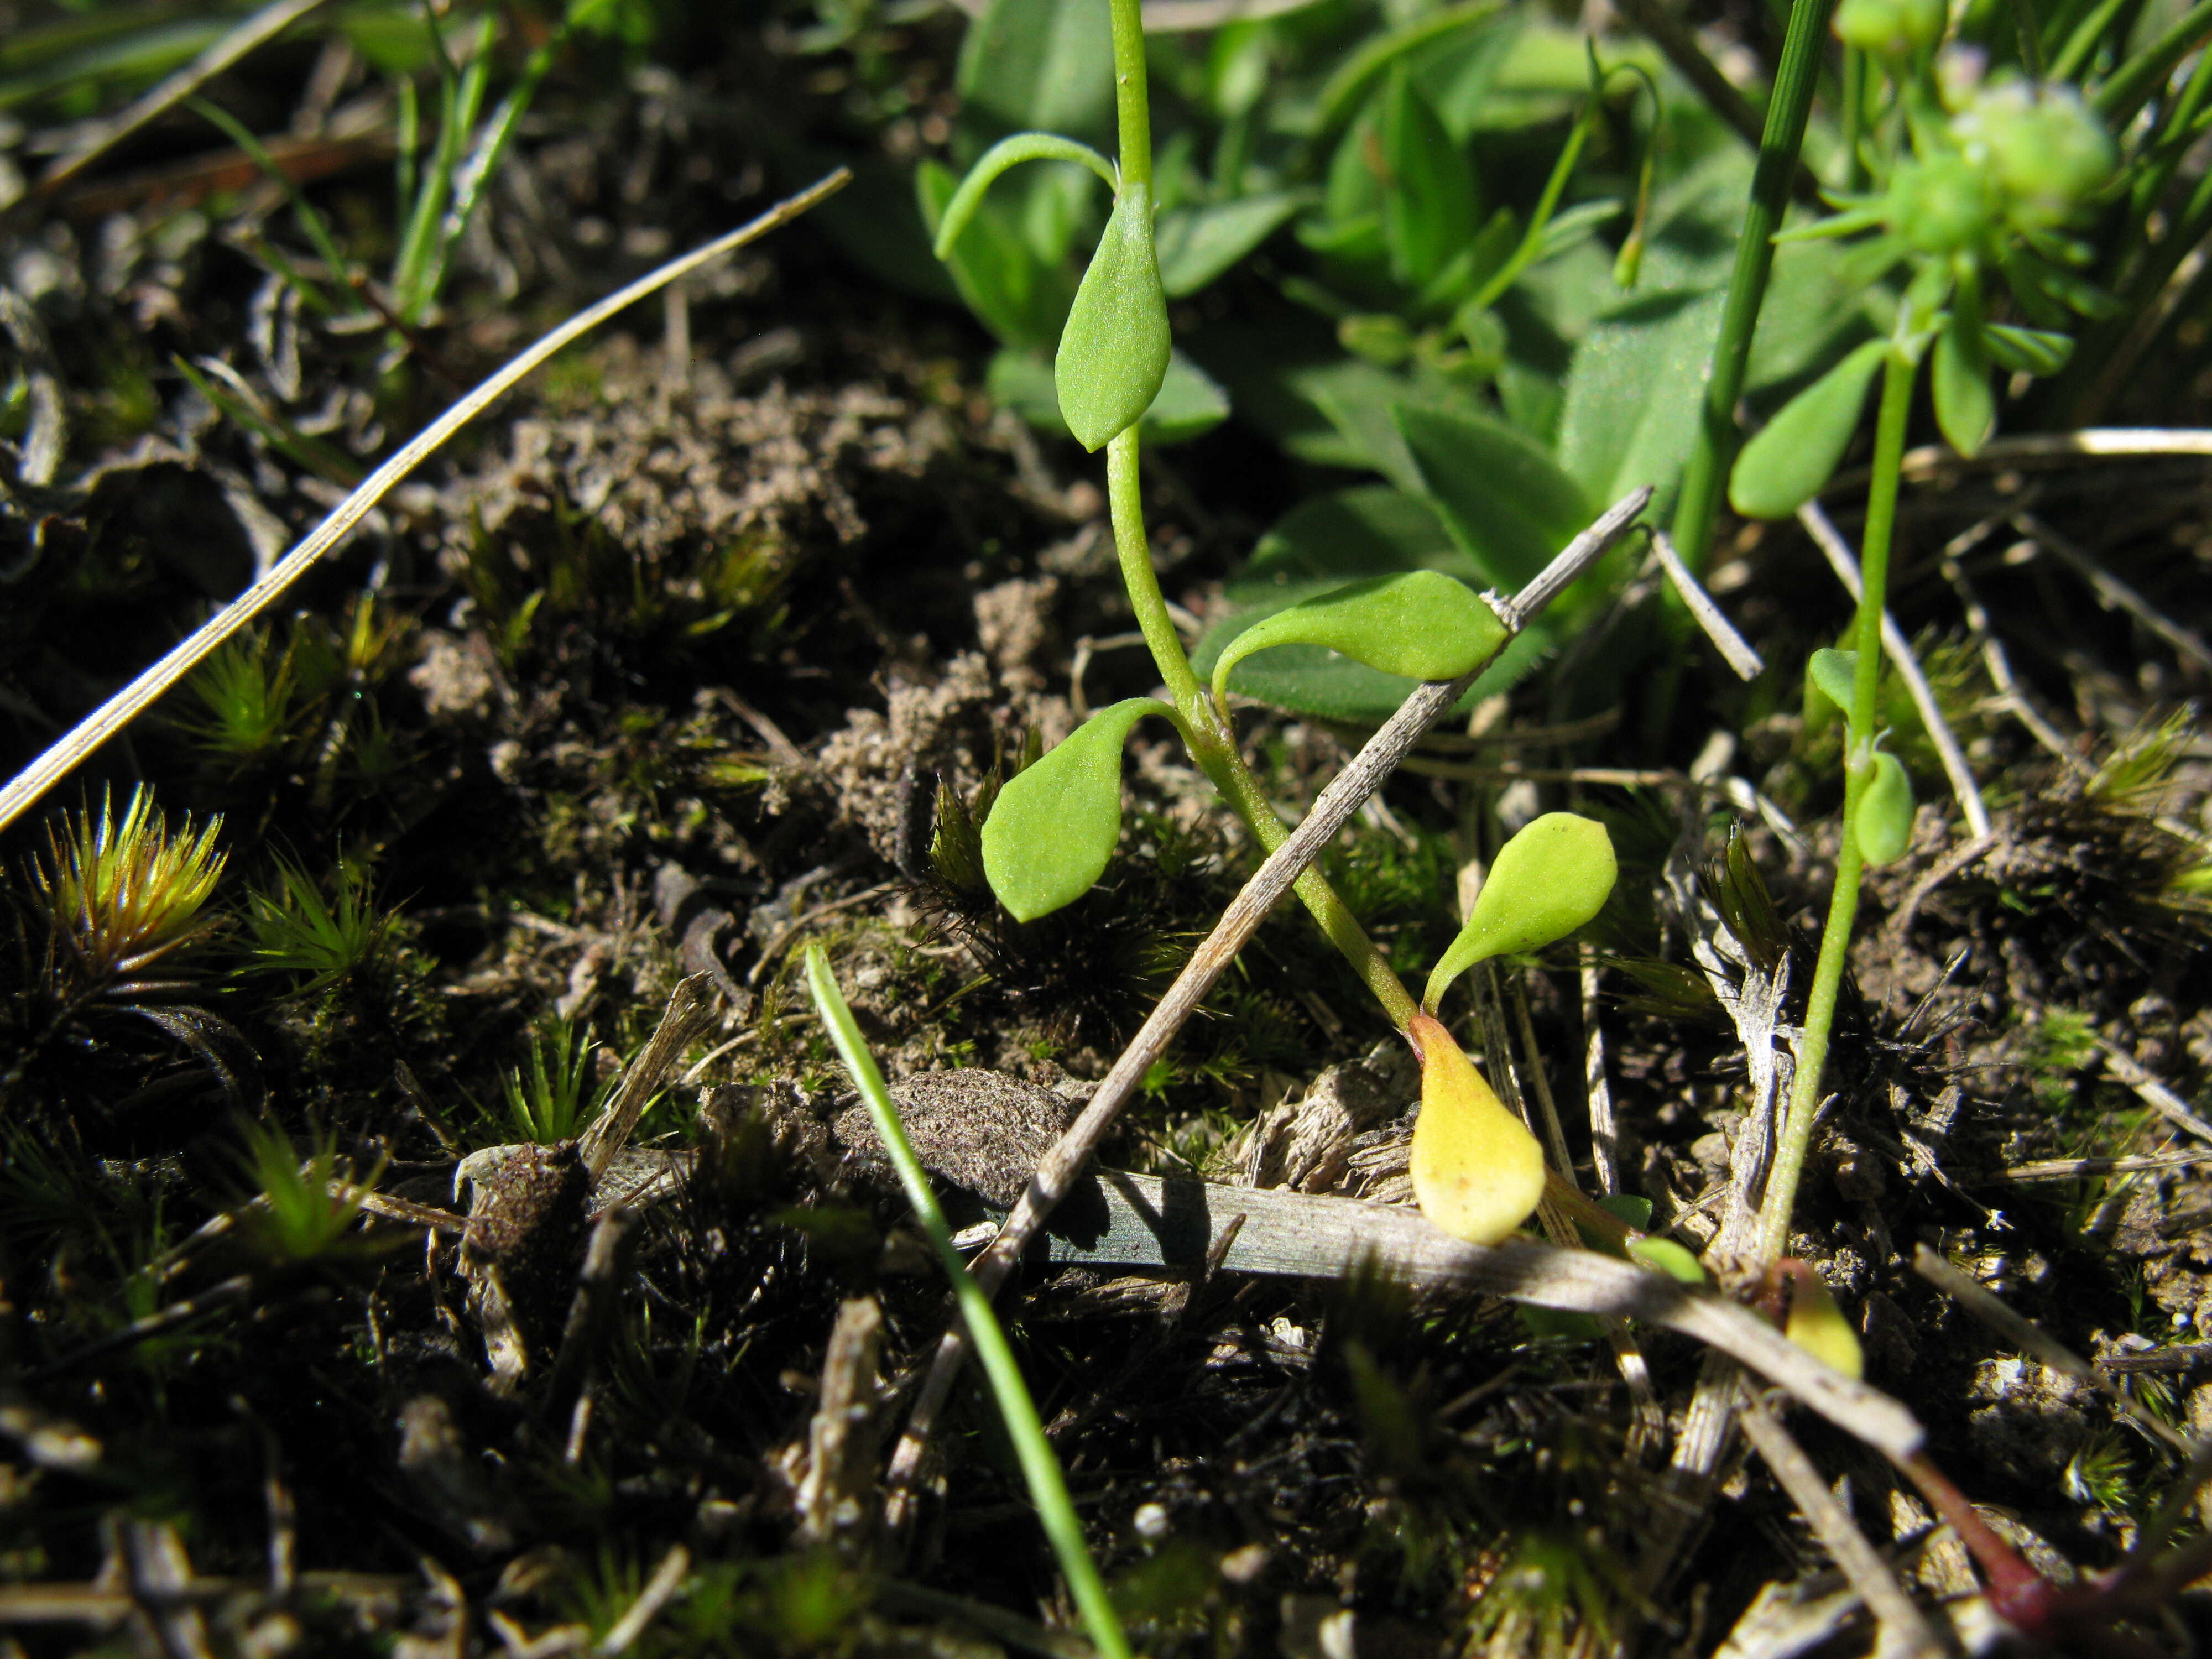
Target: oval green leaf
column 1114, row 351
column 1669, row 1257
column 1423, row 625
column 1832, row 673
column 1965, row 407
column 1547, row 881
column 1793, row 454
column 1884, row 822
column 1053, row 825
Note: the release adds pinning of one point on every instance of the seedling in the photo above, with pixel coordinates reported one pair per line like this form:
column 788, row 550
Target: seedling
column 1054, row 826
column 552, row 1097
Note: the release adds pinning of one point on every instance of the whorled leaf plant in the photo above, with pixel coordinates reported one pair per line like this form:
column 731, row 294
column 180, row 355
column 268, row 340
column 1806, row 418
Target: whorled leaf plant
column 1976, row 181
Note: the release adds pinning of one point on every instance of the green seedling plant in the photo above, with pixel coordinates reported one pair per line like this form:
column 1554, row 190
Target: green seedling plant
column 1053, row 825
column 317, row 940
column 1975, row 181
column 1040, row 1467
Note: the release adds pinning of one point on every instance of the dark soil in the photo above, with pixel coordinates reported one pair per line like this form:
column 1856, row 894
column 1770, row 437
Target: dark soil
column 683, row 659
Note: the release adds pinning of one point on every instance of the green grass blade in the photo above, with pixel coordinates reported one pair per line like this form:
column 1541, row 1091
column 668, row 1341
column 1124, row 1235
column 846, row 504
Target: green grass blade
column 1040, row 1467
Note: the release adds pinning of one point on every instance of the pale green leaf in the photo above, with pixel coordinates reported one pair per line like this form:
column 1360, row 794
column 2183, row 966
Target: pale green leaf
column 1547, row 881
column 1965, row 408
column 1791, row 458
column 1884, row 822
column 1053, row 825
column 1832, row 674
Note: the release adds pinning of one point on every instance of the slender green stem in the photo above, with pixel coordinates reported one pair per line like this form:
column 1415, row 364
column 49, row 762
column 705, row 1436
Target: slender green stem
column 1858, row 770
column 1132, row 98
column 1787, row 111
column 1040, row 1467
column 1215, row 749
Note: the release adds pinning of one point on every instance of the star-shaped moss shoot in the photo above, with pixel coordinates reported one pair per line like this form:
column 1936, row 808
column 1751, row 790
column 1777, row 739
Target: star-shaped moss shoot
column 1478, row 1173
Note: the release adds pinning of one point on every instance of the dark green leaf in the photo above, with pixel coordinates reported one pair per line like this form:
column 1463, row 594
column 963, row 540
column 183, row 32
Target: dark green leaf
column 1040, row 63
column 1018, row 298
column 1197, row 244
column 1506, row 501
column 1421, row 625
column 2026, row 350
column 1635, row 392
column 1114, row 351
column 1793, row 455
column 1429, row 199
column 1054, row 823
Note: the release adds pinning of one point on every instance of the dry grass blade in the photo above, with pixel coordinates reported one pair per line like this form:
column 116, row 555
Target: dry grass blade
column 252, row 34
column 1899, row 650
column 1905, row 1627
column 2111, row 591
column 690, row 1007
column 2152, row 1093
column 1732, row 645
column 2034, row 1341
column 125, row 705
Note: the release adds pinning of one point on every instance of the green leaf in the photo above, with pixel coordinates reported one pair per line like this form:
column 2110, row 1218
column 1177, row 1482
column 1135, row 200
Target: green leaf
column 1793, row 455
column 2026, row 350
column 1422, row 625
column 1016, row 296
column 1350, row 82
column 1373, row 530
column 1354, row 534
column 1635, row 392
column 1506, row 501
column 1832, row 673
column 1669, row 1257
column 1547, row 881
column 1054, row 823
column 1573, row 227
column 1195, row 244
column 1884, row 822
column 1190, row 401
column 1429, row 198
column 1047, row 64
column 1011, row 153
column 1114, row 351
column 1965, row 407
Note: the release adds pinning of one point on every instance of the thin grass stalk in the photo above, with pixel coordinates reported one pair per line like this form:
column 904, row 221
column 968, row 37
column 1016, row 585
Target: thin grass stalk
column 1787, row 112
column 1040, row 1467
column 1898, row 377
column 317, row 227
column 119, row 710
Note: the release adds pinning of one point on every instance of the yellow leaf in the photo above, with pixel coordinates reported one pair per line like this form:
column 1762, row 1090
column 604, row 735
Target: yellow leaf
column 1818, row 1326
column 1478, row 1173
